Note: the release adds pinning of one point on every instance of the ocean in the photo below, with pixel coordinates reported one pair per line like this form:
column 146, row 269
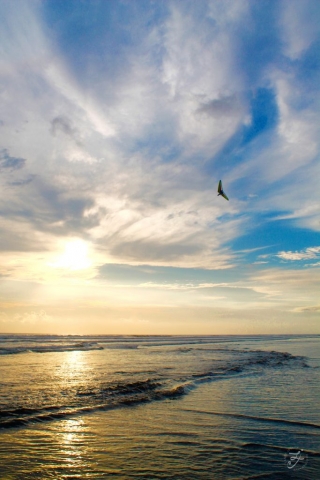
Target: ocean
column 159, row 407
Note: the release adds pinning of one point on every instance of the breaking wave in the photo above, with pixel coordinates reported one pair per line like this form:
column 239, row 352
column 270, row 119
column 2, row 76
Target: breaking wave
column 91, row 400
column 253, row 362
column 183, row 364
column 80, row 346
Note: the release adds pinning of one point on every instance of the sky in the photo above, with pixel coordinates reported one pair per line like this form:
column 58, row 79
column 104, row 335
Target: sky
column 118, row 119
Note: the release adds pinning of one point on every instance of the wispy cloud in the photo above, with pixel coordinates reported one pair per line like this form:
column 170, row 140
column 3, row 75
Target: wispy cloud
column 8, row 162
column 310, row 309
column 306, row 254
column 118, row 136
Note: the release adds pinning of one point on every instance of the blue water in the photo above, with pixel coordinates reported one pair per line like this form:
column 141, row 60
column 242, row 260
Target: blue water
column 222, row 407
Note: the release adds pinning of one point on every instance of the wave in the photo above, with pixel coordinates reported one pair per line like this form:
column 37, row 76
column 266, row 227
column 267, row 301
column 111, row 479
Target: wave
column 183, row 344
column 105, row 398
column 256, row 418
column 253, row 362
column 162, row 385
column 273, row 358
column 81, row 346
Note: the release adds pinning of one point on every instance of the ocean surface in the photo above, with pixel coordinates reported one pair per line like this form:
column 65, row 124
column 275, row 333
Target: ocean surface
column 159, row 407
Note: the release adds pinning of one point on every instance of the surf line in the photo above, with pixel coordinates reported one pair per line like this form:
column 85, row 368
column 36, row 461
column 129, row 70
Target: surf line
column 250, row 417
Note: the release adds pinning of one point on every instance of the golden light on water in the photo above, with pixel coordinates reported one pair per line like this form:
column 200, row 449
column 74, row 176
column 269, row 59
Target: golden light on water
column 73, row 367
column 70, row 431
column 71, row 446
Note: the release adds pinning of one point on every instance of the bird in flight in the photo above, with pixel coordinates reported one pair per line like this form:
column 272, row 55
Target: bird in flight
column 220, row 191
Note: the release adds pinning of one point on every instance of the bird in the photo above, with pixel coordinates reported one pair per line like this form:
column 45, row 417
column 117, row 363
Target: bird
column 220, row 190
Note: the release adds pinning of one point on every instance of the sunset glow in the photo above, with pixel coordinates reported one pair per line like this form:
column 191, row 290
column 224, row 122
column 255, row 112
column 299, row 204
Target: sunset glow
column 118, row 120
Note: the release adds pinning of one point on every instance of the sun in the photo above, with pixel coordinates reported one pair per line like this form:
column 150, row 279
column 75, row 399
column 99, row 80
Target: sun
column 74, row 257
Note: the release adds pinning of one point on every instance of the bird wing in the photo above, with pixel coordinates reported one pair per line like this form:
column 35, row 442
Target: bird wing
column 219, row 186
column 224, row 195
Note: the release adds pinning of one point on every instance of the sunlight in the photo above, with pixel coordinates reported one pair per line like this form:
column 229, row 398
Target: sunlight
column 74, row 257
column 73, row 369
column 71, row 443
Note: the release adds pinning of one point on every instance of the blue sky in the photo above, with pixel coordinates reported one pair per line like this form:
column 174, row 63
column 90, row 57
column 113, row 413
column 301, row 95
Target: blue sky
column 118, row 120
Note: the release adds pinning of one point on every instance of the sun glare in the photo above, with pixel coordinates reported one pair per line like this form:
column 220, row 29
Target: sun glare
column 74, row 257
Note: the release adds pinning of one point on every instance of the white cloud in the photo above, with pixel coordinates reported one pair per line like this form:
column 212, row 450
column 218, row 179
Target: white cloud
column 292, row 286
column 199, row 69
column 299, row 24
column 298, row 129
column 307, row 254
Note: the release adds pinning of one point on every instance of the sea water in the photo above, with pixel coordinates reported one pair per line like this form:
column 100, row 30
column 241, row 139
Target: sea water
column 159, row 407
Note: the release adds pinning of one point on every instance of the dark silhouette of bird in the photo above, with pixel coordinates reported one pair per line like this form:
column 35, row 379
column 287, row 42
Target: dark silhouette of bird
column 220, row 191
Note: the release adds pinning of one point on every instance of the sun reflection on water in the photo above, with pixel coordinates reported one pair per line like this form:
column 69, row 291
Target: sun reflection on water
column 73, row 366
column 71, row 443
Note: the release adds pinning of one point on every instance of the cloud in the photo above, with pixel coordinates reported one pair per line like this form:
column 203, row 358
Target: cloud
column 154, row 251
column 310, row 309
column 306, row 254
column 224, row 106
column 13, row 170
column 299, row 26
column 63, row 124
column 23, row 181
column 20, row 237
column 7, row 162
column 292, row 286
column 33, row 318
column 4, row 318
